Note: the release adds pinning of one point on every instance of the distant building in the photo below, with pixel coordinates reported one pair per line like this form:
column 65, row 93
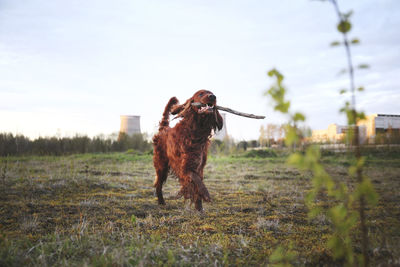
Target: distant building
column 222, row 134
column 369, row 128
column 335, row 133
column 376, row 124
column 130, row 124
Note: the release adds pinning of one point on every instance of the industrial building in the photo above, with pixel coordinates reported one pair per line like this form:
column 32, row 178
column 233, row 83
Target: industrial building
column 130, row 124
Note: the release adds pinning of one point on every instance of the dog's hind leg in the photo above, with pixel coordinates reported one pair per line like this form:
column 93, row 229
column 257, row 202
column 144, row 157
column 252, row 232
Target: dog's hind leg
column 198, row 203
column 161, row 177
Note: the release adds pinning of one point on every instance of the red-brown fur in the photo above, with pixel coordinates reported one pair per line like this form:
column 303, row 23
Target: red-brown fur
column 183, row 148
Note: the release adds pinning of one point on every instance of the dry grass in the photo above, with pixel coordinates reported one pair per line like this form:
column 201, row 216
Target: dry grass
column 100, row 210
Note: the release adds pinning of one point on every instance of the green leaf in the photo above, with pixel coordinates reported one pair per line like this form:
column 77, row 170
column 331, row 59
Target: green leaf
column 358, row 166
column 310, row 196
column 281, row 256
column 360, row 89
column 338, row 214
column 291, row 136
column 299, row 117
column 352, row 219
column 343, row 91
column 330, row 185
column 350, row 116
column 355, row 41
column 352, row 170
column 363, row 66
column 283, row 107
column 344, row 26
column 313, row 153
column 336, row 245
column 367, row 190
column 335, row 43
column 277, row 255
column 314, row 212
column 350, row 132
column 271, row 73
column 341, row 192
column 296, row 159
column 361, row 116
column 360, row 162
column 277, row 74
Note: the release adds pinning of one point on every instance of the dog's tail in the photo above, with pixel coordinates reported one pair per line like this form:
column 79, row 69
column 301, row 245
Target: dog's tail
column 164, row 123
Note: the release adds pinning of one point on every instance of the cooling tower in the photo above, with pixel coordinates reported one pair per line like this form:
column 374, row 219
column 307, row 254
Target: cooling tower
column 130, row 124
column 220, row 135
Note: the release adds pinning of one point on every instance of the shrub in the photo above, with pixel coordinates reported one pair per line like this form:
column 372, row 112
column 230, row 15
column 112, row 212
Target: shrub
column 260, row 153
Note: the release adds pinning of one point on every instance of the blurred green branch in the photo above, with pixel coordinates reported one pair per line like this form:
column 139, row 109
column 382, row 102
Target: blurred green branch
column 343, row 214
column 364, row 191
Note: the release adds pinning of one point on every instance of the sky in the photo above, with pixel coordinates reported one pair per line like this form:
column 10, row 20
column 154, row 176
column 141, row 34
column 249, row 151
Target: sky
column 73, row 67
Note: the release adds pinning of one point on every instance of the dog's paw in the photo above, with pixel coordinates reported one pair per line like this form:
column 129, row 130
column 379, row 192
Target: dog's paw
column 205, row 195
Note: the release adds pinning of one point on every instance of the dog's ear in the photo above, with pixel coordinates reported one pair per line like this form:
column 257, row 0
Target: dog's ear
column 219, row 121
column 181, row 110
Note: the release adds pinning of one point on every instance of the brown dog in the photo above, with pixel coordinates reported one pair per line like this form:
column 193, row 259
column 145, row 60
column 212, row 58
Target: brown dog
column 183, row 148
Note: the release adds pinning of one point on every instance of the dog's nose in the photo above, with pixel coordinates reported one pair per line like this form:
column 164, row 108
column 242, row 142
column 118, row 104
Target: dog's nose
column 212, row 97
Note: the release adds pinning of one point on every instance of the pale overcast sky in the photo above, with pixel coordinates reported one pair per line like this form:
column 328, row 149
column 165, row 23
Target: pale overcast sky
column 74, row 66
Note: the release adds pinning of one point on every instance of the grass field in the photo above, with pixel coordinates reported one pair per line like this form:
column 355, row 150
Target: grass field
column 100, row 210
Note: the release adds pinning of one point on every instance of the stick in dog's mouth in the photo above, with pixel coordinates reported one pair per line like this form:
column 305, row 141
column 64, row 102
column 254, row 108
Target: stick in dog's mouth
column 207, row 106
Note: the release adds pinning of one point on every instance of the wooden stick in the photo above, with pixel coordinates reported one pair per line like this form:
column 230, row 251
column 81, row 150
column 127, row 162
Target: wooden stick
column 196, row 104
column 241, row 113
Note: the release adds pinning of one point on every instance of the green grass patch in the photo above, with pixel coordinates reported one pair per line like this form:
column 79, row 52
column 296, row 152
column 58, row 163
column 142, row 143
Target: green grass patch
column 100, row 210
column 260, row 153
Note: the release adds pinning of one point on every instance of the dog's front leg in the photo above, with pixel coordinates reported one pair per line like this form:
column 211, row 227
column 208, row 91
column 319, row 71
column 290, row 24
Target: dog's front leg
column 201, row 188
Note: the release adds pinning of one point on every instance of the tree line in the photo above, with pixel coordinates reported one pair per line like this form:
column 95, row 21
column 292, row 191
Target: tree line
column 16, row 145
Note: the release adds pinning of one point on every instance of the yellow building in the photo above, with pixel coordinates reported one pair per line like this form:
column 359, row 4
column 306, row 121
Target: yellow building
column 335, row 133
column 369, row 124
